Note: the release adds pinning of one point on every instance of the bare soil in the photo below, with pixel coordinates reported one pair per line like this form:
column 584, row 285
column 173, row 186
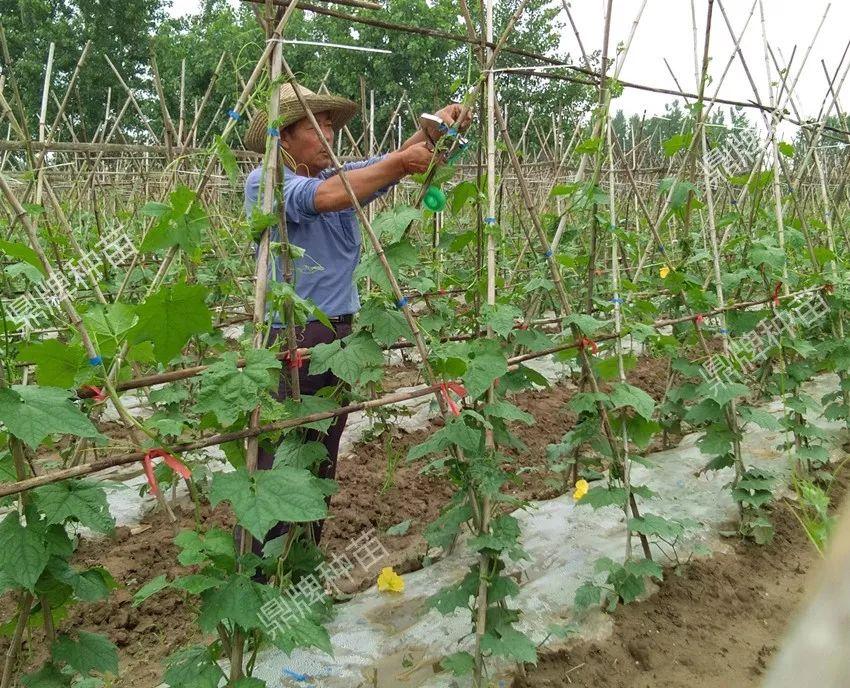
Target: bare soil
column 714, row 626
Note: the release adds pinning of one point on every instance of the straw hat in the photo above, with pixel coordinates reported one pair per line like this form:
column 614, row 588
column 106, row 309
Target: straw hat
column 340, row 109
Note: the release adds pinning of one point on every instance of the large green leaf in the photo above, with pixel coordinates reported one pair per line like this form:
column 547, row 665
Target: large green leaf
column 390, row 224
column 399, row 255
column 347, row 358
column 229, row 391
column 32, row 413
column 57, row 364
column 75, row 501
column 182, row 222
column 487, row 362
column 24, row 553
column 238, row 600
column 89, row 652
column 624, row 394
column 48, row 676
column 24, row 253
column 193, row 667
column 267, row 497
column 388, row 326
column 169, row 317
column 501, row 317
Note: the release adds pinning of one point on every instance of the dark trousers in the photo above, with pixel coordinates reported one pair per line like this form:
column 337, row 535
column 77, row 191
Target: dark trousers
column 311, row 334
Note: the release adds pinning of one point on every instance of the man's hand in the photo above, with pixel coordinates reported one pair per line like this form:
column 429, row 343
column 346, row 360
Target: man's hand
column 451, row 115
column 415, row 158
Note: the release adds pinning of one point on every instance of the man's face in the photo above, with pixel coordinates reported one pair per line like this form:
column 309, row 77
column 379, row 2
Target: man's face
column 302, row 142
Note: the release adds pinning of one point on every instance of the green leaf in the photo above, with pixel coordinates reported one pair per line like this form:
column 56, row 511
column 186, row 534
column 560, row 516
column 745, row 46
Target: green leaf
column 588, row 595
column 388, row 326
column 24, row 554
column 455, row 596
column 196, row 583
column 759, row 417
column 193, row 667
column 461, row 193
column 75, row 501
column 390, row 224
column 600, row 496
column 650, row 524
column 307, row 406
column 216, row 546
column 501, row 317
column 89, row 652
column 459, row 663
column 722, row 392
column 676, row 143
column 455, row 431
column 267, row 497
column 786, row 149
column 152, row 587
column 347, row 358
column 399, row 528
column 586, row 323
column 511, row 644
column 299, row 454
column 57, row 364
column 183, row 224
column 170, row 317
column 303, row 631
column 229, row 391
column 24, row 253
column 238, row 600
column 226, row 158
column 624, row 394
column 504, row 534
column 32, row 413
column 507, row 411
column 399, row 255
column 487, row 362
column 47, row 677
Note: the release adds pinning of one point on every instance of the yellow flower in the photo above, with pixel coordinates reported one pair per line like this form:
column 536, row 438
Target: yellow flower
column 663, row 272
column 390, row 581
column 581, row 489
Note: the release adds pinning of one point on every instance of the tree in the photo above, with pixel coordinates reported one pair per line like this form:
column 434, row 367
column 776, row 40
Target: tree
column 119, row 30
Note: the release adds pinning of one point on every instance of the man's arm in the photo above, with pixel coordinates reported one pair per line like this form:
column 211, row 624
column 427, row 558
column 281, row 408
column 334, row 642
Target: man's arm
column 331, row 194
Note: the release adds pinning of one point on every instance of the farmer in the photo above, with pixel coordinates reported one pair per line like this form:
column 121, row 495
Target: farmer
column 321, row 221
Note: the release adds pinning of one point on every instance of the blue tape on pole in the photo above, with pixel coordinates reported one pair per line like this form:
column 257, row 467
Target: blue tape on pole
column 235, row 116
column 617, row 299
column 97, row 360
column 452, row 131
column 401, row 303
column 489, row 220
column 548, row 253
column 273, row 131
column 724, row 331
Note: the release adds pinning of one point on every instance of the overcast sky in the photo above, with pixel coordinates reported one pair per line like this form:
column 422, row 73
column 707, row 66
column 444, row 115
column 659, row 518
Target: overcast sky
column 665, row 31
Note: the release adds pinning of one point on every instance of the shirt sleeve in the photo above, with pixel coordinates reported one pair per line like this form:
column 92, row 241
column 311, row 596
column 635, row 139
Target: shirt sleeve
column 357, row 165
column 299, row 194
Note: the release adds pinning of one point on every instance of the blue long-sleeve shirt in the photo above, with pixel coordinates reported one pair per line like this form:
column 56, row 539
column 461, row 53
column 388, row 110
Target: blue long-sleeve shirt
column 331, row 241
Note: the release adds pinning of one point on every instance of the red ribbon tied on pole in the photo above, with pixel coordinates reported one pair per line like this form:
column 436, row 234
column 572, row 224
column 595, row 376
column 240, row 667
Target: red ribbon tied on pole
column 698, row 318
column 297, row 362
column 98, row 394
column 173, row 463
column 775, row 295
column 585, row 342
column 450, row 402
